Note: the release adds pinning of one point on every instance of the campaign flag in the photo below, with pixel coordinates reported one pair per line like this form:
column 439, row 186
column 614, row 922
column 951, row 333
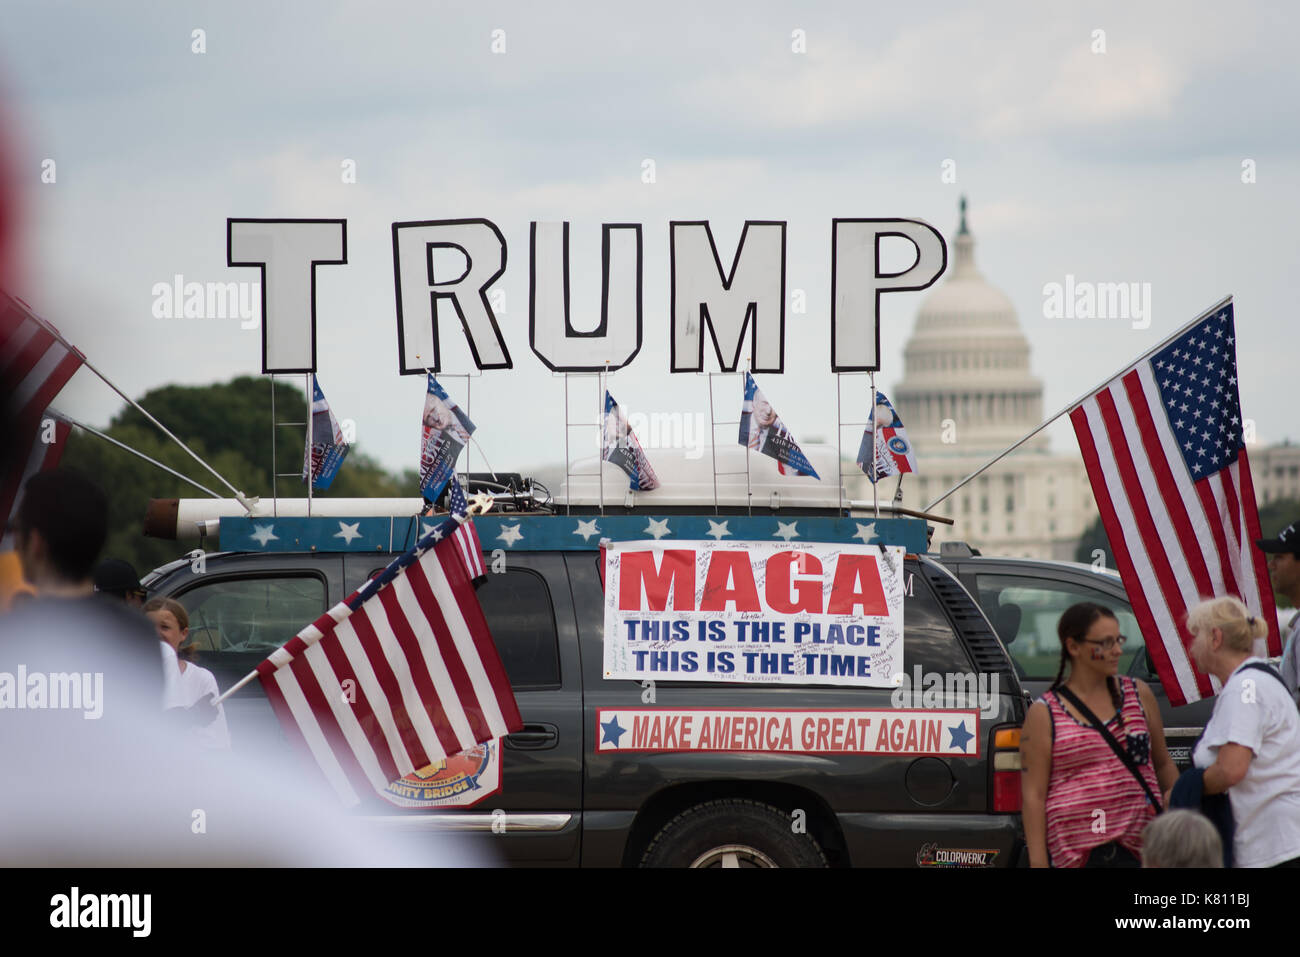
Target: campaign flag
column 446, row 430
column 1163, row 446
column 761, row 429
column 327, row 450
column 893, row 452
column 399, row 675
column 35, row 363
column 619, row 446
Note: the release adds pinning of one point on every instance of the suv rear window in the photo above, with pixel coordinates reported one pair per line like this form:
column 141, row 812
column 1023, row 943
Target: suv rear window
column 928, row 637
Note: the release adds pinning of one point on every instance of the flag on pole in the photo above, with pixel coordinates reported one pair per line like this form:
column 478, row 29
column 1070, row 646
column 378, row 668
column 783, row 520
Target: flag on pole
column 762, row 430
column 1164, row 449
column 619, row 446
column 327, row 449
column 34, row 365
column 46, row 450
column 399, row 675
column 893, row 451
column 446, row 430
column 465, row 536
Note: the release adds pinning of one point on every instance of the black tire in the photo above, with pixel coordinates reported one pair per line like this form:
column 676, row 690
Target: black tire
column 732, row 833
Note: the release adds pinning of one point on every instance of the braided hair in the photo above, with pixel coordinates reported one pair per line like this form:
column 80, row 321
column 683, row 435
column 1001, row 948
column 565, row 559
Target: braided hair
column 1075, row 623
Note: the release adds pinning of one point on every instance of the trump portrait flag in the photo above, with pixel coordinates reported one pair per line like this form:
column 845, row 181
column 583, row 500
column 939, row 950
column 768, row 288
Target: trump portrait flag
column 399, row 675
column 1164, row 449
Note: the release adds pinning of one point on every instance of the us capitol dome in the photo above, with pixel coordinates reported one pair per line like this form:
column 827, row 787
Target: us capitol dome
column 967, row 393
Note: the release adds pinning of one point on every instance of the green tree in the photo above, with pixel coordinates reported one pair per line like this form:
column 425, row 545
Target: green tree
column 229, row 426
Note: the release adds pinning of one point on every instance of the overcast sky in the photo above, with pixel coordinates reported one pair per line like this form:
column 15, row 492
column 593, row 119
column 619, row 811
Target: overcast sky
column 1122, row 166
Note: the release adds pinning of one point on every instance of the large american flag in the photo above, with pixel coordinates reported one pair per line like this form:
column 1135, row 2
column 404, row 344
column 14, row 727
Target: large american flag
column 1163, row 444
column 35, row 363
column 399, row 675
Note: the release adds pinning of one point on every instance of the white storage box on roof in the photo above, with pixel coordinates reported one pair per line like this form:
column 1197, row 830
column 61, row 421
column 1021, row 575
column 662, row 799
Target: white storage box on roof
column 687, row 478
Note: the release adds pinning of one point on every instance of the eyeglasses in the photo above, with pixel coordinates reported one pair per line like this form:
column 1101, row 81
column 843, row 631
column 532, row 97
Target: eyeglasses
column 1106, row 643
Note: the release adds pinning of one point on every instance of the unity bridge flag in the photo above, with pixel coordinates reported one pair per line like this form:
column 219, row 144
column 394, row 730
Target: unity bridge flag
column 1163, row 444
column 399, row 675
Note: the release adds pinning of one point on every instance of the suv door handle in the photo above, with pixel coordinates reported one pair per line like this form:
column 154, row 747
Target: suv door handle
column 534, row 737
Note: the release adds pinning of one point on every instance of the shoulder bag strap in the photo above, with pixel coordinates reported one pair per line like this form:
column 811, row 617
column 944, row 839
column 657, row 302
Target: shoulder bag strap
column 1262, row 666
column 1115, row 746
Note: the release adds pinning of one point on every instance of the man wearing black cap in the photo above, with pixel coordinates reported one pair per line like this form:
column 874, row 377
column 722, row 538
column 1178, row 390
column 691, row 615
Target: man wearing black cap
column 1284, row 572
column 117, row 578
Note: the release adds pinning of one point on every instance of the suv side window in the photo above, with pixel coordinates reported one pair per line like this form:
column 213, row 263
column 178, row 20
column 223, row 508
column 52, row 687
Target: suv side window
column 1024, row 611
column 521, row 618
column 237, row 620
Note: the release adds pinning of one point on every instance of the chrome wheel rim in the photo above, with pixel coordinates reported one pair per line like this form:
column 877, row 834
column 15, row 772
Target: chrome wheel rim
column 733, row 855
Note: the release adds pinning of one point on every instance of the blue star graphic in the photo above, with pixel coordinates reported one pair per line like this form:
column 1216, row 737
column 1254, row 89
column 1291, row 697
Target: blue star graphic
column 610, row 731
column 960, row 736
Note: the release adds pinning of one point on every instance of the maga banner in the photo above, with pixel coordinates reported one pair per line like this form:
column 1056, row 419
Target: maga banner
column 789, row 613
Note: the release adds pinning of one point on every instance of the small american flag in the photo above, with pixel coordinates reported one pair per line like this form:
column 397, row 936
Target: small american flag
column 399, row 675
column 465, row 536
column 35, row 363
column 1163, row 444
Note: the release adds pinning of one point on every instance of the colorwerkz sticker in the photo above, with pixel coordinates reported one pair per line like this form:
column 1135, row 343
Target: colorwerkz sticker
column 941, row 733
column 932, row 855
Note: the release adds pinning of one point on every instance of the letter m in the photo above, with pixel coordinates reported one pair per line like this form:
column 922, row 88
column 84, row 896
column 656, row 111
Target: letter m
column 223, row 300
column 751, row 296
column 119, row 906
column 637, row 574
column 1114, row 295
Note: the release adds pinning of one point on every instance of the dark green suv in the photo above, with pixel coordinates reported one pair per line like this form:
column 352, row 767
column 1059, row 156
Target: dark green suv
column 557, row 793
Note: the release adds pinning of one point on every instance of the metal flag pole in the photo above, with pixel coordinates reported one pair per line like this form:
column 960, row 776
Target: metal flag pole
column 1124, row 371
column 875, row 432
column 311, row 423
column 127, row 448
column 243, row 500
column 600, row 435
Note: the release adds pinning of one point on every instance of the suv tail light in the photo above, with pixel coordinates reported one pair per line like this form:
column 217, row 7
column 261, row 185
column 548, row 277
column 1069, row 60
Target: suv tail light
column 1006, row 770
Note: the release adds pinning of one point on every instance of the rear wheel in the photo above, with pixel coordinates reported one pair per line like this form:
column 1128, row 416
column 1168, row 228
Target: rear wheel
column 732, row 833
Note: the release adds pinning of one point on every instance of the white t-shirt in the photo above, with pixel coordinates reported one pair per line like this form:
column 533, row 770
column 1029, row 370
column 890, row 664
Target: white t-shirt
column 181, row 689
column 1255, row 710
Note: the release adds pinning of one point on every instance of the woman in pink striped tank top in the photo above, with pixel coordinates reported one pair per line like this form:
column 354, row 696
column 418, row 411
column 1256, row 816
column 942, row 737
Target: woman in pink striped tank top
column 1083, row 805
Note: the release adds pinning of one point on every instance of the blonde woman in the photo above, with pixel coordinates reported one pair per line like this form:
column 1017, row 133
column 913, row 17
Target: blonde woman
column 1251, row 745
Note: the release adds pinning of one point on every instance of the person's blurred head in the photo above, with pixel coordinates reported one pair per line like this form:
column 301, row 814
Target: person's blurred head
column 117, row 579
column 60, row 527
column 1181, row 838
column 171, row 620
